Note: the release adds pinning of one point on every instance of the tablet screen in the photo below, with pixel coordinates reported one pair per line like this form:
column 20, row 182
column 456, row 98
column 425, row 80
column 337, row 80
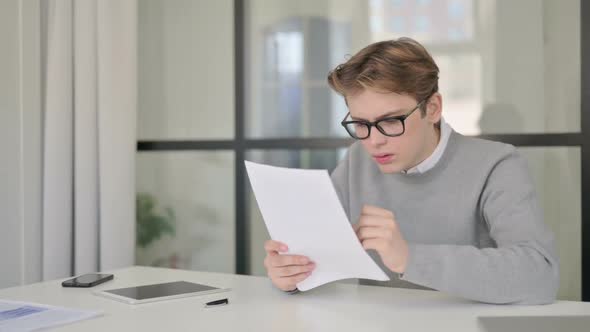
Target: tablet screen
column 160, row 290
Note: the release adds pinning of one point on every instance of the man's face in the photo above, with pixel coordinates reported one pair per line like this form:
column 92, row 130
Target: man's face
column 396, row 154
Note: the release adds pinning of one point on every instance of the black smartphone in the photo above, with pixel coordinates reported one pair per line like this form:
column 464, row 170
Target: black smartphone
column 87, row 280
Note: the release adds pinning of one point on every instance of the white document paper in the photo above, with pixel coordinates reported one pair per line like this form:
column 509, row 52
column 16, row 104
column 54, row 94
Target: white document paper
column 22, row 316
column 301, row 209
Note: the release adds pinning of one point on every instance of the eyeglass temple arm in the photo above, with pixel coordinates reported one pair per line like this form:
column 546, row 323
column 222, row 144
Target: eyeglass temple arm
column 347, row 113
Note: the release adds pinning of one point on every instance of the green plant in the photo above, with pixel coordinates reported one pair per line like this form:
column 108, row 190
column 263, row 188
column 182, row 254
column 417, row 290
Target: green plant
column 150, row 225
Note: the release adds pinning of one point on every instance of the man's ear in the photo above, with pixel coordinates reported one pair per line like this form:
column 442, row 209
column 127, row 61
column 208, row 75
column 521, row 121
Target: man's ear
column 434, row 108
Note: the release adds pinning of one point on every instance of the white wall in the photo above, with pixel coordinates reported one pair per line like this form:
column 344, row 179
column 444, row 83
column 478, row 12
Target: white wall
column 20, row 141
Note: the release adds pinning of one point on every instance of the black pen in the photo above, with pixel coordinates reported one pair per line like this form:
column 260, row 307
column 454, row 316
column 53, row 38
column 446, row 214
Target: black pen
column 216, row 303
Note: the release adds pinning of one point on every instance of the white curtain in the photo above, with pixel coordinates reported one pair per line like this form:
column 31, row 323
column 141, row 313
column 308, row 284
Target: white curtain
column 89, row 103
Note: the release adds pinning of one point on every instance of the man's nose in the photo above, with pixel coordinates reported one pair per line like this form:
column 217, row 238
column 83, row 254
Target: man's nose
column 377, row 138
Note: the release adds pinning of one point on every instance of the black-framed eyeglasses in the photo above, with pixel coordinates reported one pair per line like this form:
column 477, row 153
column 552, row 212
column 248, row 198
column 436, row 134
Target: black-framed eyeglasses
column 391, row 126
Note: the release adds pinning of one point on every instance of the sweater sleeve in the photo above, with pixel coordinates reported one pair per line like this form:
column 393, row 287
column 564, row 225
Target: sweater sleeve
column 521, row 269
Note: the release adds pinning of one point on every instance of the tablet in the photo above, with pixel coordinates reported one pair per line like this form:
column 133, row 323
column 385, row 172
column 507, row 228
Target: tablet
column 159, row 292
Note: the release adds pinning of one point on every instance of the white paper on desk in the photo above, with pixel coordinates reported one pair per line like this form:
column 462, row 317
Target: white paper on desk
column 301, row 209
column 22, row 316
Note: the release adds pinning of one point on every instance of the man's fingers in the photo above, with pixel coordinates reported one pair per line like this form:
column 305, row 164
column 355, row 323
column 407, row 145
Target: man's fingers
column 375, row 244
column 365, row 233
column 286, row 260
column 285, row 271
column 290, row 283
column 356, row 227
column 275, row 246
column 370, row 210
column 299, row 278
column 376, row 221
column 290, row 271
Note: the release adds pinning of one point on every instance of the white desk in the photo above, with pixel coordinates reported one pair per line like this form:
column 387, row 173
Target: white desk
column 256, row 306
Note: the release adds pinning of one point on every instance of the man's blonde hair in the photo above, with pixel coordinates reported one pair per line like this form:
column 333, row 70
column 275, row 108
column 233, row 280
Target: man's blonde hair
column 401, row 66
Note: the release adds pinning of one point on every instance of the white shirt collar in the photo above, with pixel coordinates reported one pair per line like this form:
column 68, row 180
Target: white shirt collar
column 430, row 162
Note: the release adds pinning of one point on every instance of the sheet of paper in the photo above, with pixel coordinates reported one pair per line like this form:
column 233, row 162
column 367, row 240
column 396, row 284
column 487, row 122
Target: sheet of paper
column 301, row 209
column 22, row 316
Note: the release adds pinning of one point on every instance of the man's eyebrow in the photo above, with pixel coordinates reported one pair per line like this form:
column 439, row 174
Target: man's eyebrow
column 386, row 115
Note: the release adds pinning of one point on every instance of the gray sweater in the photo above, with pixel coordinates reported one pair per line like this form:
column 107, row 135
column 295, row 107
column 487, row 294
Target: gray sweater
column 472, row 222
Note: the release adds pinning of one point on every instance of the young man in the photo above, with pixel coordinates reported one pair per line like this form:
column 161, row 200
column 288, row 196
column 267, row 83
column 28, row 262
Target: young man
column 436, row 209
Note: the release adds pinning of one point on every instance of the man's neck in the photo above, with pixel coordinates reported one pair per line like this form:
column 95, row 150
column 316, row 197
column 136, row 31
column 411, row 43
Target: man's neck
column 433, row 140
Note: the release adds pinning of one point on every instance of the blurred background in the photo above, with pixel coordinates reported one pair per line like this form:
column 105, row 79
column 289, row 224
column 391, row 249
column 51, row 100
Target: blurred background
column 220, row 82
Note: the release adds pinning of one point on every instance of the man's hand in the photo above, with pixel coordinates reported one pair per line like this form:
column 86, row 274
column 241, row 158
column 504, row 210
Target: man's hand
column 285, row 271
column 378, row 230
